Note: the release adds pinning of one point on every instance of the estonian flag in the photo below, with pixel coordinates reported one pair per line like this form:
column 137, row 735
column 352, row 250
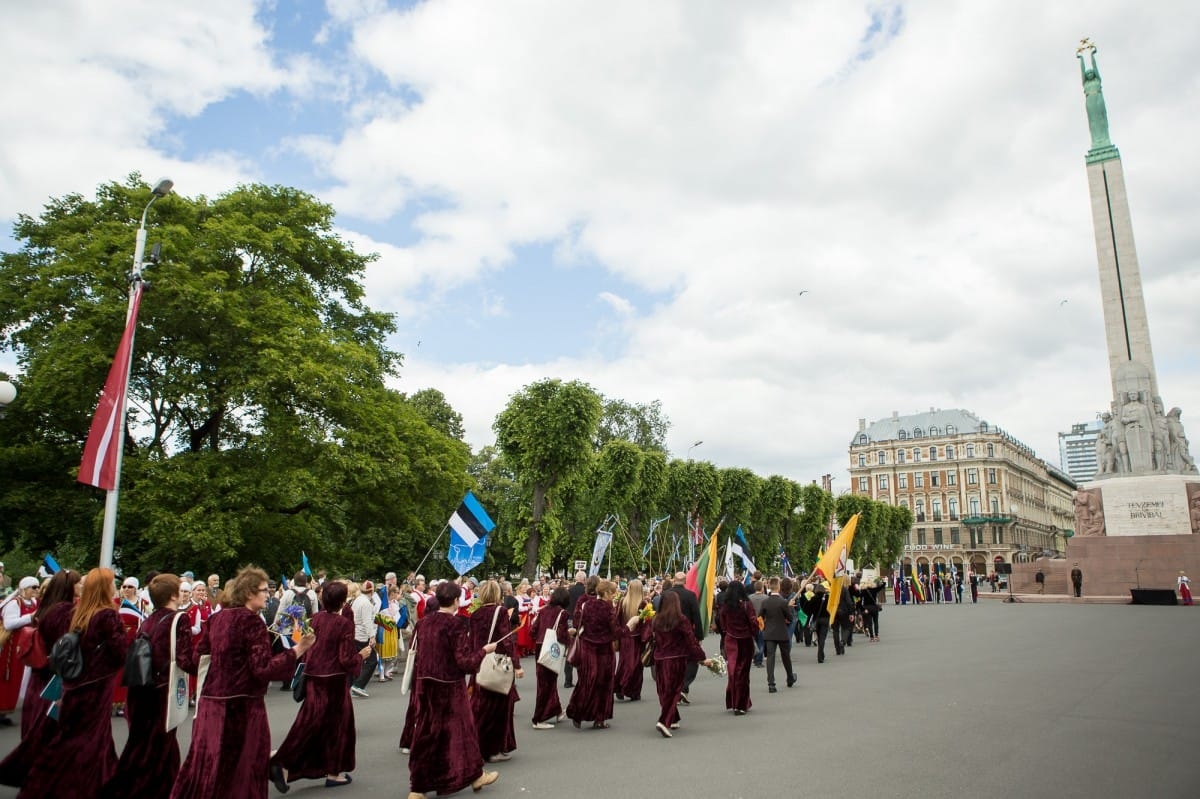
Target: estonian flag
column 469, row 529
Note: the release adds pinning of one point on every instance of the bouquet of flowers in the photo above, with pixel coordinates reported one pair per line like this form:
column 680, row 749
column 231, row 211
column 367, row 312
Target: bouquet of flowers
column 476, row 604
column 291, row 623
column 717, row 665
column 385, row 621
column 647, row 613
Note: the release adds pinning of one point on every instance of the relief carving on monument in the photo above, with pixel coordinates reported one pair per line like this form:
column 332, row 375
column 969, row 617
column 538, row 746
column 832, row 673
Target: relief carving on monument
column 1089, row 512
column 1193, row 492
column 1138, row 437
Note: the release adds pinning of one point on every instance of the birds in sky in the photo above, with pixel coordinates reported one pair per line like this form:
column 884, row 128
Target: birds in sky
column 802, row 293
column 1061, row 304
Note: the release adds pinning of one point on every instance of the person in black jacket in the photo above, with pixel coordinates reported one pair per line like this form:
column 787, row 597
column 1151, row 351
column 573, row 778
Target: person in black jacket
column 813, row 600
column 870, row 610
column 843, row 623
column 777, row 615
column 690, row 605
column 576, row 590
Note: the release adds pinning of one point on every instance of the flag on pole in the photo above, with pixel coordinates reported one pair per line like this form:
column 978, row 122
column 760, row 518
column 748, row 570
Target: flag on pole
column 469, row 529
column 916, row 581
column 51, row 564
column 304, row 567
column 832, row 565
column 784, row 563
column 741, row 549
column 701, row 579
column 650, row 539
column 604, row 534
column 99, row 464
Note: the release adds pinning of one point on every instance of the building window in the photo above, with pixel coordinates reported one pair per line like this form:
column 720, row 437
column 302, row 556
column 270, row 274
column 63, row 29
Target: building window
column 862, row 459
column 933, row 431
column 972, row 477
column 933, row 479
column 937, row 509
column 937, row 535
column 951, row 478
column 953, row 509
column 916, row 456
column 902, row 480
column 862, row 439
column 949, row 453
column 991, row 476
column 904, row 503
column 863, row 485
column 954, row 536
column 951, row 429
column 974, row 502
column 882, row 457
column 900, row 456
column 917, row 432
column 920, row 480
column 920, row 510
column 902, row 435
column 995, row 506
column 883, row 482
column 991, row 450
column 933, row 453
column 997, row 535
column 983, row 427
column 970, row 450
column 921, row 535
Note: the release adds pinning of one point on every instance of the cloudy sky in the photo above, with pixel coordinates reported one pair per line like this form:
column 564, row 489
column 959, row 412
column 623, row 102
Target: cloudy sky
column 636, row 194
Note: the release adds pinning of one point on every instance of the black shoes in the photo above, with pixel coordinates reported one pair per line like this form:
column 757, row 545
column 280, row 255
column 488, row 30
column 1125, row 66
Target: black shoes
column 771, row 689
column 791, row 681
column 683, row 699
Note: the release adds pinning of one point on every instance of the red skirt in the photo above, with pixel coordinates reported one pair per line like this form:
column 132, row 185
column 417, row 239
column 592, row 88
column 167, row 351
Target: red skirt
column 231, row 744
column 494, row 719
column 150, row 761
column 668, row 679
column 322, row 738
column 83, row 741
column 546, row 706
column 592, row 699
column 445, row 749
column 739, row 654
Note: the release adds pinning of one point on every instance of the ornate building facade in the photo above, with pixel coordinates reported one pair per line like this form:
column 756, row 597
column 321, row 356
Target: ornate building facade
column 978, row 495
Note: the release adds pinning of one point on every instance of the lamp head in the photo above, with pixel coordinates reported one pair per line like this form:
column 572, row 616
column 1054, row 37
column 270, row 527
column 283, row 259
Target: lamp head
column 163, row 187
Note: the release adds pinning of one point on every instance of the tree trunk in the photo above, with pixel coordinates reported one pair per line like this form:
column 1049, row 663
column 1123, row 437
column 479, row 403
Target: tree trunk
column 535, row 532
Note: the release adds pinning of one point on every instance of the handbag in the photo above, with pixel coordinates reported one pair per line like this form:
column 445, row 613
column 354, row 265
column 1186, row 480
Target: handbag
column 139, row 664
column 298, row 681
column 573, row 655
column 201, row 675
column 409, row 664
column 552, row 655
column 648, row 652
column 177, row 685
column 31, row 649
column 496, row 671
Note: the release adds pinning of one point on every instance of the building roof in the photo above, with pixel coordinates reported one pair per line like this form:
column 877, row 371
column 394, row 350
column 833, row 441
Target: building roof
column 889, row 429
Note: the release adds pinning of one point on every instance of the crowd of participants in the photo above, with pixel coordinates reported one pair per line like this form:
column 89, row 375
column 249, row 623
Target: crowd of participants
column 238, row 638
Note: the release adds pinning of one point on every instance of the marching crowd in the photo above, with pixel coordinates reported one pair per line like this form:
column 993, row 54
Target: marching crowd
column 72, row 641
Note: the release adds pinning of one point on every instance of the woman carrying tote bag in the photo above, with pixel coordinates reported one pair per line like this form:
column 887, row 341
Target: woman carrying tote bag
column 547, row 709
column 494, row 712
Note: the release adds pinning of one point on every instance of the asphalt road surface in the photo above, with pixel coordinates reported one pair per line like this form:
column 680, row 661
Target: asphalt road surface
column 988, row 700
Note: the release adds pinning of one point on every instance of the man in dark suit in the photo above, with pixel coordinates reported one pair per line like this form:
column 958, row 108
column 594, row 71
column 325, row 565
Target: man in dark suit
column 690, row 605
column 575, row 591
column 776, row 616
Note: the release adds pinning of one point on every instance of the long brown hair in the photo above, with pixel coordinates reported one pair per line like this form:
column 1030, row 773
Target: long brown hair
column 61, row 588
column 670, row 612
column 99, row 588
column 632, row 602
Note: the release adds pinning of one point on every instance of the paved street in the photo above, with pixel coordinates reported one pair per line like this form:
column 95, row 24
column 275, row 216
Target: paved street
column 994, row 699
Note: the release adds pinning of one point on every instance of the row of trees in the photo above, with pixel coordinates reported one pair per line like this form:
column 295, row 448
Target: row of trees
column 262, row 423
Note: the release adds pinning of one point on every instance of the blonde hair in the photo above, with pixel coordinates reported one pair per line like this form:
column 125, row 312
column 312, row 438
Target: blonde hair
column 489, row 593
column 632, row 602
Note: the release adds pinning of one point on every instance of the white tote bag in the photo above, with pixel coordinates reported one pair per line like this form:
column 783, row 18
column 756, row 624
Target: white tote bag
column 201, row 675
column 177, row 686
column 553, row 655
column 410, row 662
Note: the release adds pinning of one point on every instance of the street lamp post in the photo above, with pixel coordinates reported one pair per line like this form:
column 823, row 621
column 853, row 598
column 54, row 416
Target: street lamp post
column 108, row 534
column 692, row 447
column 8, row 393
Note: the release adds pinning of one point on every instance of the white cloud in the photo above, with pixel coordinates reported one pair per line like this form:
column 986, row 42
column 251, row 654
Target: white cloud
column 620, row 305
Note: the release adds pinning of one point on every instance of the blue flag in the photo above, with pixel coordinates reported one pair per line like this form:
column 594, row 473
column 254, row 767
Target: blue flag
column 51, row 564
column 603, row 539
column 304, row 564
column 469, row 529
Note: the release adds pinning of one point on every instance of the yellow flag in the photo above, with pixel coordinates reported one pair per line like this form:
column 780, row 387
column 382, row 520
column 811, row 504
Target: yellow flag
column 832, row 565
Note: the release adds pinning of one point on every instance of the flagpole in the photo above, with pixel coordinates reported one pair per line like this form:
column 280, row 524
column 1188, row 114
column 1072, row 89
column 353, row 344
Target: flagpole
column 108, row 533
column 430, row 552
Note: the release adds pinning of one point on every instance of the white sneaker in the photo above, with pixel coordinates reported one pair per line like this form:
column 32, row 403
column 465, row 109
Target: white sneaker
column 354, row 689
column 541, row 725
column 404, row 750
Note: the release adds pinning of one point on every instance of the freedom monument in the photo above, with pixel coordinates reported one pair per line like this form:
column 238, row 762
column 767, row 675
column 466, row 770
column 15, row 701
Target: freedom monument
column 1138, row 522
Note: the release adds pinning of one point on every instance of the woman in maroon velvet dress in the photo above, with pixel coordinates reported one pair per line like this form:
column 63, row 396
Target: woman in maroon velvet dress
column 80, row 757
column 310, row 752
column 231, row 741
column 150, row 759
column 445, row 748
column 592, row 699
column 547, row 708
column 628, row 682
column 674, row 646
column 53, row 618
column 739, row 623
column 493, row 711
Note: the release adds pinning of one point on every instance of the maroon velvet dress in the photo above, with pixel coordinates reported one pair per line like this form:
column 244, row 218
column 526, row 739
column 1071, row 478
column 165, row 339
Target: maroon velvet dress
column 629, row 658
column 150, row 760
column 231, row 741
column 493, row 711
column 445, row 748
column 546, row 706
column 322, row 738
column 740, row 624
column 84, row 738
column 673, row 649
column 592, row 699
column 36, row 727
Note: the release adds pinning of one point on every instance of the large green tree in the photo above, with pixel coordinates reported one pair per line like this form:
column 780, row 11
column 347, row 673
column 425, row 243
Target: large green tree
column 546, row 434
column 260, row 423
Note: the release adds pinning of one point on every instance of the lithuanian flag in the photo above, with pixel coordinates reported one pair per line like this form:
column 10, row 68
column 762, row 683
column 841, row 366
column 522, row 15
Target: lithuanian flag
column 832, row 564
column 916, row 582
column 702, row 579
